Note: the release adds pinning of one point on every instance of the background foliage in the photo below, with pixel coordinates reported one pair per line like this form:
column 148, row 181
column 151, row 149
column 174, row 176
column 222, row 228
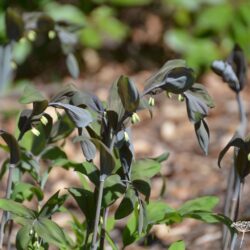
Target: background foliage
column 189, row 29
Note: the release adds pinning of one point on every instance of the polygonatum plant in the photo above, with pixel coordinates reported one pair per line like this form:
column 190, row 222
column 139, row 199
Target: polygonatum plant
column 233, row 71
column 119, row 177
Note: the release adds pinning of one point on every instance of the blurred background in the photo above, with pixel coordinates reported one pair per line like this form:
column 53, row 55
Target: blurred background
column 106, row 38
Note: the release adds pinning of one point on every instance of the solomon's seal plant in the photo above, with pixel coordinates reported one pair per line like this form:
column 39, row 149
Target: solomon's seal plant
column 103, row 127
column 233, row 72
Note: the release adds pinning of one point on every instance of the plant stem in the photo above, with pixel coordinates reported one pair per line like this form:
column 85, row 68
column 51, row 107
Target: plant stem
column 232, row 201
column 103, row 230
column 98, row 211
column 5, row 215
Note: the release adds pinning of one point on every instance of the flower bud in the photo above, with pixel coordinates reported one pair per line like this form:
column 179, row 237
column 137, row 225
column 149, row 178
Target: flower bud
column 31, row 232
column 135, row 118
column 51, row 34
column 44, row 120
column 151, row 101
column 32, row 35
column 168, row 94
column 126, row 136
column 13, row 65
column 23, row 40
column 180, row 98
column 35, row 131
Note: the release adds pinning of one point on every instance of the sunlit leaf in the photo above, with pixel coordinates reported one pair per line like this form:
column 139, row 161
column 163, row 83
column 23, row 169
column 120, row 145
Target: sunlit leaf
column 17, row 209
column 52, row 205
column 206, row 203
column 146, row 168
column 178, row 245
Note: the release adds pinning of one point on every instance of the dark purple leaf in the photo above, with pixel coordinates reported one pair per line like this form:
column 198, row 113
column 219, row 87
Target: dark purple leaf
column 13, row 146
column 174, row 77
column 202, row 133
column 79, row 116
column 128, row 93
column 234, row 142
column 196, row 108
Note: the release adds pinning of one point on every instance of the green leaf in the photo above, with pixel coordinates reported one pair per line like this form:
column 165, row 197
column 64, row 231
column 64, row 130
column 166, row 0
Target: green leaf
column 162, row 157
column 206, row 203
column 17, row 209
column 178, row 245
column 50, row 232
column 142, row 218
column 79, row 116
column 40, row 142
column 111, row 241
column 127, row 205
column 143, row 186
column 53, row 153
column 130, row 233
column 107, row 161
column 90, row 170
column 86, row 202
column 52, row 205
column 159, row 212
column 206, row 20
column 129, row 3
column 210, row 217
column 13, row 146
column 144, row 169
column 23, row 237
column 67, row 12
column 202, row 134
column 128, row 93
column 30, row 95
column 72, row 65
column 113, row 189
column 90, row 37
column 62, row 128
column 25, row 191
